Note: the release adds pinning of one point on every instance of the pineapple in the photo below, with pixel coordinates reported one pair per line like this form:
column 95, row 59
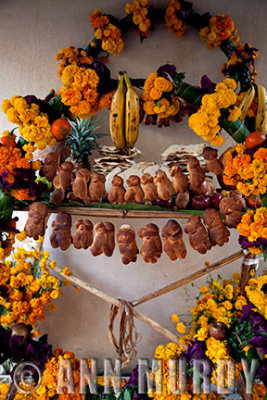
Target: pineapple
column 83, row 139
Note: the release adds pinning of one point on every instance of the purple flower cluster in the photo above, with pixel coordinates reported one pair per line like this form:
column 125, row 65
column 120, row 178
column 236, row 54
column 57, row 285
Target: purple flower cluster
column 259, row 339
column 20, row 348
column 133, row 383
column 207, row 85
column 44, row 107
column 246, row 244
column 167, row 70
column 25, row 179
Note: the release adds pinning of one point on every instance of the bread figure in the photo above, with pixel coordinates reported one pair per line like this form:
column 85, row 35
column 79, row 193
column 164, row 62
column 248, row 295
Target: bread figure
column 62, row 182
column 213, row 164
column 36, row 221
column 149, row 187
column 127, row 244
column 180, row 180
column 61, row 233
column 164, row 186
column 63, row 179
column 97, row 188
column 152, row 248
column 117, row 191
column 134, row 191
column 104, row 241
column 197, row 176
column 182, row 200
column 57, row 196
column 232, row 210
column 198, row 236
column 50, row 167
column 174, row 246
column 83, row 237
column 218, row 232
column 79, row 186
column 235, row 194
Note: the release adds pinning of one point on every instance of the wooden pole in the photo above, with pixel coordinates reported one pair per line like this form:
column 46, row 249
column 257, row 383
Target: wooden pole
column 118, row 213
column 250, row 262
column 112, row 300
column 188, row 279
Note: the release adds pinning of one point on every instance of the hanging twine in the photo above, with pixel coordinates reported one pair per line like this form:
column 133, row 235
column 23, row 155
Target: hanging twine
column 128, row 337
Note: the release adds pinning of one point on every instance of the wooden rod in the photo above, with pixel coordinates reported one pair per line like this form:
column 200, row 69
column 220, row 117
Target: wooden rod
column 112, row 300
column 116, row 213
column 188, row 279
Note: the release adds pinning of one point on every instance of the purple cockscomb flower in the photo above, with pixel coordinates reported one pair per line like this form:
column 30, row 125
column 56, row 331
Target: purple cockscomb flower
column 207, row 85
column 167, row 70
column 4, row 291
column 4, row 182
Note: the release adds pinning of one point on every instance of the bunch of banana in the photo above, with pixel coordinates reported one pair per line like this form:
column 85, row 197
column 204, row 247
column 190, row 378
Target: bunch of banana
column 261, row 118
column 246, row 102
column 258, row 92
column 124, row 114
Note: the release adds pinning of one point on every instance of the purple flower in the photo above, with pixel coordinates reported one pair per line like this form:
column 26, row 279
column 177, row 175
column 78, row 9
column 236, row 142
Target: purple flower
column 133, row 380
column 44, row 107
column 262, row 372
column 4, row 291
column 25, row 178
column 104, row 76
column 246, row 244
column 195, row 350
column 207, row 85
column 167, row 69
column 5, row 184
column 30, row 98
column 259, row 342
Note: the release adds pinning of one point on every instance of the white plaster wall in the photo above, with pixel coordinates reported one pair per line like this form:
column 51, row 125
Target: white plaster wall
column 31, row 33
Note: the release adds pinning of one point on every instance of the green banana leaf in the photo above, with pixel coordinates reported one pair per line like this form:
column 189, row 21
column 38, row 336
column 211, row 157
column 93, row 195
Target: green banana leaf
column 6, row 207
column 264, row 200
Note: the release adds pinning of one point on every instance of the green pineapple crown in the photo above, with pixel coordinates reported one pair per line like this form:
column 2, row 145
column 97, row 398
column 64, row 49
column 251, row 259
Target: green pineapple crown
column 83, row 139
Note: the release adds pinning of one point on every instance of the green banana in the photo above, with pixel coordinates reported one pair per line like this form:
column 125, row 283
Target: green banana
column 132, row 116
column 247, row 101
column 117, row 115
column 261, row 118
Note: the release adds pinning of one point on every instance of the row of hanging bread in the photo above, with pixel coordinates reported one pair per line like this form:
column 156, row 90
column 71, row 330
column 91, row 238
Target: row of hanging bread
column 201, row 237
column 87, row 186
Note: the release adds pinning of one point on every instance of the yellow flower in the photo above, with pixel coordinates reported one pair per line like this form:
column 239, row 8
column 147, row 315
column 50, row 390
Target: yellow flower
column 66, row 271
column 175, row 318
column 181, row 328
column 21, row 236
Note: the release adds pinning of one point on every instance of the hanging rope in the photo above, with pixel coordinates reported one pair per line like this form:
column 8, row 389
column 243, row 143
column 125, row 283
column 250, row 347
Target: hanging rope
column 128, row 336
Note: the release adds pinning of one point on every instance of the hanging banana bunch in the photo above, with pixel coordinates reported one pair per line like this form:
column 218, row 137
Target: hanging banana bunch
column 261, row 118
column 124, row 114
column 247, row 102
column 255, row 92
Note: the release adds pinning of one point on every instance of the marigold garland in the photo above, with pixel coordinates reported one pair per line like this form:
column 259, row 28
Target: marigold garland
column 107, row 33
column 138, row 10
column 30, row 289
column 248, row 172
column 158, row 96
column 257, row 295
column 205, row 122
column 34, row 125
column 173, row 23
column 220, row 28
column 253, row 230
